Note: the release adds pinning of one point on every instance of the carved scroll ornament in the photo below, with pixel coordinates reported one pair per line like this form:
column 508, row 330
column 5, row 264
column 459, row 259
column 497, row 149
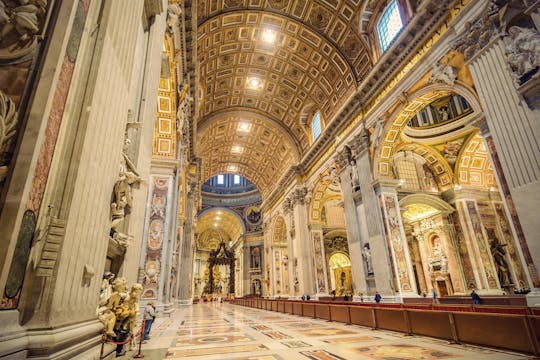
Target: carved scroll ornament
column 8, row 122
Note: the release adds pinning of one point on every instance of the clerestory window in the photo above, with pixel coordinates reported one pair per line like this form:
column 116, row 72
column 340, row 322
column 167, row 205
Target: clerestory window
column 389, row 25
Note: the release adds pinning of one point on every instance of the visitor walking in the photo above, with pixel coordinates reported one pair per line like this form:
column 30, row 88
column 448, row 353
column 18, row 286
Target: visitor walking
column 149, row 317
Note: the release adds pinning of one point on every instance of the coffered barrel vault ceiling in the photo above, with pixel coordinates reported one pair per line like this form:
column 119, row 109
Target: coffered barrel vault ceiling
column 314, row 63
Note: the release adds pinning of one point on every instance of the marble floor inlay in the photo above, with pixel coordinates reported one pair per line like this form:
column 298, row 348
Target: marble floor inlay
column 211, row 331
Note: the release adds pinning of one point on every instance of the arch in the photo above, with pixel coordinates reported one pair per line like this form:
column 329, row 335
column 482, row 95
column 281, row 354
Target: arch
column 401, row 116
column 473, row 166
column 247, row 113
column 436, row 163
column 205, row 221
column 323, row 184
column 430, row 200
column 354, row 36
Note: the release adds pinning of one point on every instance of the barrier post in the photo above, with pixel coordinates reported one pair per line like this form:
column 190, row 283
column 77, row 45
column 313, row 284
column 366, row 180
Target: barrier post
column 103, row 340
column 141, row 337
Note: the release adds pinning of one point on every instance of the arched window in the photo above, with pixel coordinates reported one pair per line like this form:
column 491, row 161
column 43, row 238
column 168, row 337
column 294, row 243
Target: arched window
column 316, row 126
column 389, row 25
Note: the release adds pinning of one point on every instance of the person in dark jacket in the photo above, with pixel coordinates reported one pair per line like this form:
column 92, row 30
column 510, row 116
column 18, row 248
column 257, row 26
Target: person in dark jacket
column 378, row 297
column 475, row 298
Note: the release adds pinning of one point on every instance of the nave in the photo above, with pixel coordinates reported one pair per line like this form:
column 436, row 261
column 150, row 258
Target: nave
column 224, row 331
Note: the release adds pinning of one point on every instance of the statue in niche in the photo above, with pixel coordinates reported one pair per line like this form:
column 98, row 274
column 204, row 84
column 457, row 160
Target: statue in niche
column 122, row 201
column 377, row 133
column 499, row 257
column 366, row 253
column 355, row 181
column 523, row 52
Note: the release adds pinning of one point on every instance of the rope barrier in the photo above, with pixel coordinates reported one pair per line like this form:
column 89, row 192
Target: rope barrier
column 106, row 339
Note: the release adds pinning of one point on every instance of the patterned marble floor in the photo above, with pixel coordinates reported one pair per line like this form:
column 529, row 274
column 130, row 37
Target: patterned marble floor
column 224, row 331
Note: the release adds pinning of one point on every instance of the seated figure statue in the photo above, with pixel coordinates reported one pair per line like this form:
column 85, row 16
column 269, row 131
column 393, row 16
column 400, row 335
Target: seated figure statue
column 126, row 313
column 108, row 317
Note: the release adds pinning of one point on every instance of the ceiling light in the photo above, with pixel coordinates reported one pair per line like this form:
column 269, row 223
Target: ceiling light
column 237, row 149
column 244, row 127
column 253, row 83
column 269, row 36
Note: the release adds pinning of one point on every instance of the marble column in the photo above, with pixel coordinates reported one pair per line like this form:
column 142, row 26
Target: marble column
column 513, row 125
column 319, row 256
column 352, row 222
column 371, row 222
column 398, row 248
column 478, row 250
column 304, row 246
column 185, row 295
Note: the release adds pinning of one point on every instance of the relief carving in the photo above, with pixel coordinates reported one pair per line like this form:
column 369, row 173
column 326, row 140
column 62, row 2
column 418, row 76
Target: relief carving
column 442, row 72
column 8, row 122
column 20, row 23
column 122, row 201
column 523, row 53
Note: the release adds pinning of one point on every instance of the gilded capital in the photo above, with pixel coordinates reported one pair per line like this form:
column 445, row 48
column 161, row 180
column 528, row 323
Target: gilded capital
column 478, row 34
column 359, row 143
column 343, row 157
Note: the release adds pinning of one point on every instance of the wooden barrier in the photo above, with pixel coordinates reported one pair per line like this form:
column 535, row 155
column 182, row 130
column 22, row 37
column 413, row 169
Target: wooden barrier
column 340, row 313
column 297, row 308
column 391, row 319
column 513, row 332
column 308, row 310
column 288, row 307
column 431, row 323
column 322, row 311
column 502, row 331
column 362, row 316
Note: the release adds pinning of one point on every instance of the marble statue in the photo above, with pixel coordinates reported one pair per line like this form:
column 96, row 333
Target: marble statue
column 114, row 302
column 444, row 73
column 523, row 51
column 366, row 253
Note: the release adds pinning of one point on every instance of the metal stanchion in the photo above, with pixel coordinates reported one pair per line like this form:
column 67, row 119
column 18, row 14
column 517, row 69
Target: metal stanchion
column 103, row 341
column 141, row 337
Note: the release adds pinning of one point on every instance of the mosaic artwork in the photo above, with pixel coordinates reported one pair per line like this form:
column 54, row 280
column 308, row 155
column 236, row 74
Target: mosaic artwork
column 260, row 327
column 326, row 331
column 214, row 339
column 177, row 353
column 276, row 335
column 262, row 357
column 295, row 344
column 208, row 331
column 321, row 355
column 353, row 339
column 404, row 352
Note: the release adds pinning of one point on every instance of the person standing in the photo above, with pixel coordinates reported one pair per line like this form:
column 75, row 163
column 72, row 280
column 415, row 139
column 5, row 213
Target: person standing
column 378, row 297
column 434, row 292
column 149, row 317
column 475, row 298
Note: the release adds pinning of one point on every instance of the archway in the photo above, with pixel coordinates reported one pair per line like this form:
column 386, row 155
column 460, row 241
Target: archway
column 339, row 266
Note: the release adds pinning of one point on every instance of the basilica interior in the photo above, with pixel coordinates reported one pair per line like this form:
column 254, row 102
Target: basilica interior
column 226, row 158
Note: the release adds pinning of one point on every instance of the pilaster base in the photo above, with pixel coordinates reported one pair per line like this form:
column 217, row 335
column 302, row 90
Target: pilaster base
column 185, row 302
column 533, row 298
column 13, row 340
